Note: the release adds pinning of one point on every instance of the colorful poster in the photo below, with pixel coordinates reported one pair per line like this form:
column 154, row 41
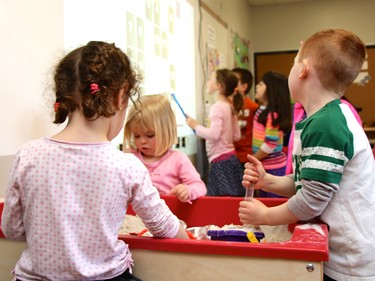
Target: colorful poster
column 241, row 52
column 213, row 60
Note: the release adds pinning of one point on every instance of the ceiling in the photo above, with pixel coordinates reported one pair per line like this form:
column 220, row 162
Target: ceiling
column 270, row 2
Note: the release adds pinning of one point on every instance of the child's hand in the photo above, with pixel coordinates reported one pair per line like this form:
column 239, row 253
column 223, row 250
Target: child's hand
column 191, row 122
column 253, row 212
column 254, row 173
column 181, row 191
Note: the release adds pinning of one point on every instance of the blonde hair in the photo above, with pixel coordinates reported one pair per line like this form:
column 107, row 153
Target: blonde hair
column 152, row 113
column 337, row 55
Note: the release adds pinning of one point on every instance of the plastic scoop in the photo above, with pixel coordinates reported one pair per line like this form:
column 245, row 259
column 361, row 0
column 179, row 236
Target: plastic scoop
column 252, row 238
column 249, row 195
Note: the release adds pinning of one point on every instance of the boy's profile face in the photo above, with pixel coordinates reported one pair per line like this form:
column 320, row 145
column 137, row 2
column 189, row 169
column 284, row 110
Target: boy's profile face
column 294, row 77
column 294, row 73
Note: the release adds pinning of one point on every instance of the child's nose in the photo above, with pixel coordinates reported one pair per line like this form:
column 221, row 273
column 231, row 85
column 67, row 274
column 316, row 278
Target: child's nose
column 143, row 140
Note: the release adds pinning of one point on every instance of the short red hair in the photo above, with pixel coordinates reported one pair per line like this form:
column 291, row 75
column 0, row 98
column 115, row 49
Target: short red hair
column 337, row 55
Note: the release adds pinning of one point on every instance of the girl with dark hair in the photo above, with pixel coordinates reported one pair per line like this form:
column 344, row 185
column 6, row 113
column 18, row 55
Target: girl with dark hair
column 272, row 121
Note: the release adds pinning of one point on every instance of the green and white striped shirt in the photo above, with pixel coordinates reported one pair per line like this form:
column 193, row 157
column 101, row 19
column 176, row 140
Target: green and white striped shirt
column 335, row 177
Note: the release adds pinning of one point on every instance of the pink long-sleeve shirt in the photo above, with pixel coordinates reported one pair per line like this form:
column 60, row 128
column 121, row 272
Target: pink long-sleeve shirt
column 172, row 169
column 222, row 132
column 69, row 200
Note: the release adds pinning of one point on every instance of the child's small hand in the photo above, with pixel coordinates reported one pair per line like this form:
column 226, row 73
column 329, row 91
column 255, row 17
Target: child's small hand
column 254, row 173
column 181, row 191
column 253, row 212
column 192, row 123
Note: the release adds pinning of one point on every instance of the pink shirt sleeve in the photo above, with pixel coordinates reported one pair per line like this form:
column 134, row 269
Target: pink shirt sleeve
column 172, row 169
column 222, row 131
column 356, row 115
column 298, row 112
column 213, row 131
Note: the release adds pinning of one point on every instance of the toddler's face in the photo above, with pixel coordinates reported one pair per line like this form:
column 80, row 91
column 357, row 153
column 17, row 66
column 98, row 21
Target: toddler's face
column 145, row 142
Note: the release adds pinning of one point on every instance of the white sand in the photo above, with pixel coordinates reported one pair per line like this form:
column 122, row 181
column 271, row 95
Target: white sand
column 132, row 224
column 280, row 233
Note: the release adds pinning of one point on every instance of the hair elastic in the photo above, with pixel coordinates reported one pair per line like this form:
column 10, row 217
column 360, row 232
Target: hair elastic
column 56, row 106
column 94, row 88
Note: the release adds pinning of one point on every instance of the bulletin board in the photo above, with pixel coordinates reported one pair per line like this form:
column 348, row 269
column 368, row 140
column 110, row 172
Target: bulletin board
column 361, row 95
column 214, row 43
column 213, row 40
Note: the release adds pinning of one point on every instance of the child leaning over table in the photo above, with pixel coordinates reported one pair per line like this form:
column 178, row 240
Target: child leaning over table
column 68, row 194
column 150, row 132
column 334, row 171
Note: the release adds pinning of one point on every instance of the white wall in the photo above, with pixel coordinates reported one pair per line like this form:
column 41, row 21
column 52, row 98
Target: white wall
column 31, row 35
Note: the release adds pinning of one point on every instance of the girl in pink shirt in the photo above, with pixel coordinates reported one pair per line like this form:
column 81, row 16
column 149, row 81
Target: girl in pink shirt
column 150, row 132
column 225, row 172
column 68, row 194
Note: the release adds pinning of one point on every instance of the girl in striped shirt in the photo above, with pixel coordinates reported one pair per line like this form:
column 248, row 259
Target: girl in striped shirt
column 271, row 122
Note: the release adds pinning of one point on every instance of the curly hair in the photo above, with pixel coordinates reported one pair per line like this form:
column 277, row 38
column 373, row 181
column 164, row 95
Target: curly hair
column 97, row 63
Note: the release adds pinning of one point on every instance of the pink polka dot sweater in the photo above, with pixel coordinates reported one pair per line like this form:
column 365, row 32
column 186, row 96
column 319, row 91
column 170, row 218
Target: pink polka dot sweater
column 69, row 200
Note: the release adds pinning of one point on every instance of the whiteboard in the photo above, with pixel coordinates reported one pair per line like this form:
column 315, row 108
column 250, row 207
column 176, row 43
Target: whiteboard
column 38, row 39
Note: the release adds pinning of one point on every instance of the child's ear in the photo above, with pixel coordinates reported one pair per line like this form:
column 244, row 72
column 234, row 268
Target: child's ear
column 305, row 69
column 122, row 96
column 244, row 87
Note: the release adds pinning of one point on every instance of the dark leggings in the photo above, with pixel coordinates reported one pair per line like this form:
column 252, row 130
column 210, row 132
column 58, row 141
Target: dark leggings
column 327, row 278
column 126, row 276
